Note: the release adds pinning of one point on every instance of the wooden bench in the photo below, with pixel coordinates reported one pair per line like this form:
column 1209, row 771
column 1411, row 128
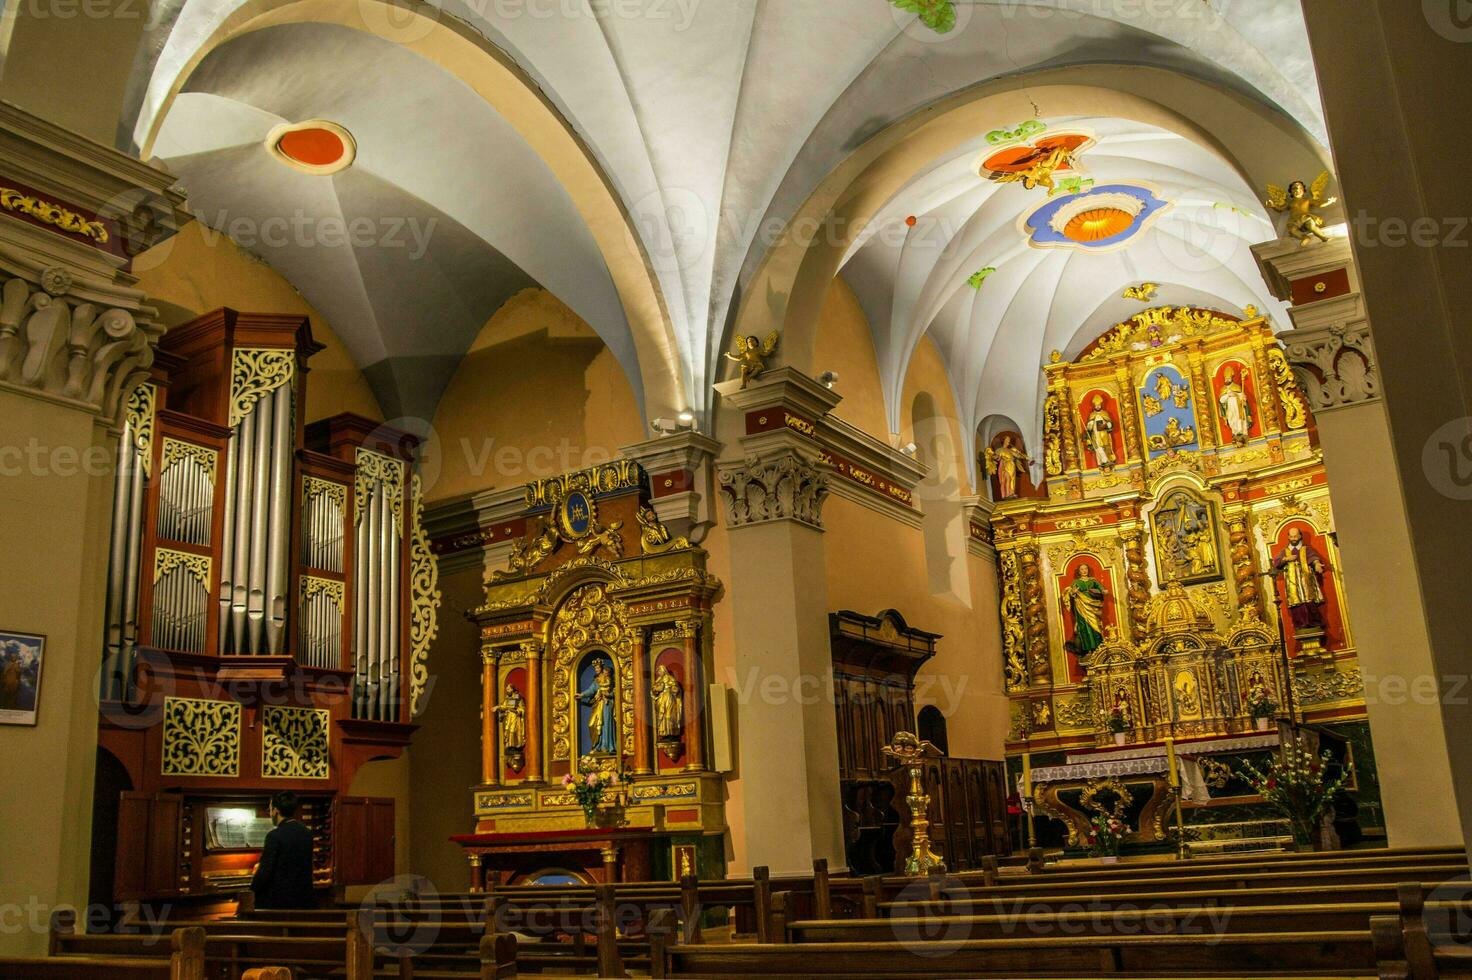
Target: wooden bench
column 185, row 960
column 1338, row 953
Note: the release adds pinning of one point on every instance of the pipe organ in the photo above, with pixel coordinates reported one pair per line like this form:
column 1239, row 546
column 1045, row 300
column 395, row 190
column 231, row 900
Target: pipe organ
column 267, row 576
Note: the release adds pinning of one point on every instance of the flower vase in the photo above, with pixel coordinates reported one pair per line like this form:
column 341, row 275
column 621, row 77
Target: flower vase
column 1119, row 738
column 1263, row 723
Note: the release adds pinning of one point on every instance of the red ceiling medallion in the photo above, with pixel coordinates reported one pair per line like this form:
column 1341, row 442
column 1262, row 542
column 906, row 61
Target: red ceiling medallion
column 314, row 147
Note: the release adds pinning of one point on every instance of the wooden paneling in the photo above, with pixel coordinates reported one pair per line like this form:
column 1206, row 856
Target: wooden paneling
column 364, row 835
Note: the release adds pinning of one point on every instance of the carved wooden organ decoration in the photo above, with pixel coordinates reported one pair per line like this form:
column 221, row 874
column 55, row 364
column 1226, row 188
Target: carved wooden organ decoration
column 1186, row 515
column 261, row 570
column 595, row 646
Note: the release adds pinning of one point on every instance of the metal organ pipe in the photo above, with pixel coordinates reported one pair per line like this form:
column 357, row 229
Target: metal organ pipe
column 244, row 444
column 277, row 552
column 260, row 504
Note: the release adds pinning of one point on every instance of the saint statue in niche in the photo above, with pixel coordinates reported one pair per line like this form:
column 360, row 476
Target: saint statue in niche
column 512, row 713
column 669, row 705
column 1005, row 463
column 1301, row 566
column 1099, row 431
column 1085, row 600
column 598, row 696
column 1235, row 409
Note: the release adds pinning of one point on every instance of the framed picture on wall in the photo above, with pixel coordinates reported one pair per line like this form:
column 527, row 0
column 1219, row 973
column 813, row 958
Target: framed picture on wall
column 21, row 658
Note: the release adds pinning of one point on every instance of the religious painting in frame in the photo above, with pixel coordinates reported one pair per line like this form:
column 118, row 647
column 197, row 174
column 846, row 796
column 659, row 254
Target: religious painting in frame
column 1168, row 413
column 1187, row 539
column 21, row 658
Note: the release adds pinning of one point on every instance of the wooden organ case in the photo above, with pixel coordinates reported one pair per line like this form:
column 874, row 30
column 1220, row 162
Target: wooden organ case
column 271, row 600
column 875, row 660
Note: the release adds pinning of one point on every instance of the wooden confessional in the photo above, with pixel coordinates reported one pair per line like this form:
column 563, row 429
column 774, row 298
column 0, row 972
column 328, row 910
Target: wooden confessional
column 875, row 660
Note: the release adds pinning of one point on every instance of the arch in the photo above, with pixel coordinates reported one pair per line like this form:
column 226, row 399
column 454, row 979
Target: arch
column 931, row 726
column 446, row 42
column 788, row 282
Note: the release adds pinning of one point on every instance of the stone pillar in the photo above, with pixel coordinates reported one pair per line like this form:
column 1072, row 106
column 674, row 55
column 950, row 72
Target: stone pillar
column 1333, row 357
column 76, row 337
column 772, row 489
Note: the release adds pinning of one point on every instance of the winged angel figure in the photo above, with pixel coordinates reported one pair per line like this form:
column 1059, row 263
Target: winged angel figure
column 752, row 353
column 1300, row 203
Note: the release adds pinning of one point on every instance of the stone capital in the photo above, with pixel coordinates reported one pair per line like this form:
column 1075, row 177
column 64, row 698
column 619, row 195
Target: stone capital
column 783, row 485
column 1335, row 365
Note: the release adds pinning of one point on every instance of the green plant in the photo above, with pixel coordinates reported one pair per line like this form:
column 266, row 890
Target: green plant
column 1297, row 785
column 938, row 15
column 1116, row 722
column 1106, row 835
column 589, row 784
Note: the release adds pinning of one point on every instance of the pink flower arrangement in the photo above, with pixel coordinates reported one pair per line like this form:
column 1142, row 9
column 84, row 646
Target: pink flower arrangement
column 589, row 783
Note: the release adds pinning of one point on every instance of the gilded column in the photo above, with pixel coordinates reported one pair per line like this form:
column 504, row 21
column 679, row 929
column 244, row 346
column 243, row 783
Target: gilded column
column 1014, row 632
column 1039, row 664
column 534, row 723
column 1129, row 418
column 490, row 773
column 1071, row 446
column 1267, row 399
column 1206, row 427
column 694, row 722
column 1240, row 548
column 643, row 756
column 1137, row 579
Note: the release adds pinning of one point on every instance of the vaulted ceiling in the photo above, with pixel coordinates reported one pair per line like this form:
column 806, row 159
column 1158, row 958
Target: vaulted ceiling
column 707, row 125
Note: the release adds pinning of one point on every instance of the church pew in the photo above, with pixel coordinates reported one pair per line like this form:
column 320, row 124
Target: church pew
column 1234, row 864
column 185, row 960
column 1338, row 953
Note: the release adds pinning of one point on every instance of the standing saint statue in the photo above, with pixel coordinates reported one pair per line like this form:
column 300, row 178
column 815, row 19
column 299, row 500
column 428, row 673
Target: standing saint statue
column 512, row 713
column 1005, row 463
column 1085, row 599
column 1099, row 431
column 669, row 705
column 1300, row 566
column 1235, row 409
column 598, row 695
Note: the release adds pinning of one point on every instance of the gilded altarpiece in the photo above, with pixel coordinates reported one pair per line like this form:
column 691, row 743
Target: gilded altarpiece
column 1146, row 592
column 595, row 649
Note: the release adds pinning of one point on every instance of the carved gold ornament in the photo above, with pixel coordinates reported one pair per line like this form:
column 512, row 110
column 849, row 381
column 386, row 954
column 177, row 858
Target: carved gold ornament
column 1295, row 410
column 200, row 737
column 141, row 411
column 384, row 473
column 590, row 619
column 1014, row 649
column 294, row 743
column 176, row 450
column 1163, row 324
column 51, row 213
column 313, row 586
column 165, row 560
column 255, row 373
column 312, row 488
column 424, row 601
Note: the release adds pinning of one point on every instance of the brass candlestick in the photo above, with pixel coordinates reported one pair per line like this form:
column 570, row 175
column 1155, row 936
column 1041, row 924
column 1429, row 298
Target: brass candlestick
column 911, row 752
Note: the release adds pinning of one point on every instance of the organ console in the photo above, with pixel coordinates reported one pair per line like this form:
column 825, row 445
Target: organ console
column 271, row 599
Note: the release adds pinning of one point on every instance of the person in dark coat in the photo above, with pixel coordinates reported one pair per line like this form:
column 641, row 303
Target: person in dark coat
column 283, row 879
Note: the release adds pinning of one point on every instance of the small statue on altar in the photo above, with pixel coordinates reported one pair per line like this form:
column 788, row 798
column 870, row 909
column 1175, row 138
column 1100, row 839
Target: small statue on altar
column 512, row 714
column 1005, row 462
column 1301, row 566
column 598, row 695
column 1099, row 430
column 1085, row 600
column 669, row 705
column 1235, row 409
column 751, row 353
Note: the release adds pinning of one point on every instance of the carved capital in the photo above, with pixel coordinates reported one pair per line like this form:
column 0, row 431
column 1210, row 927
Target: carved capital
column 1335, row 364
column 781, row 487
column 70, row 339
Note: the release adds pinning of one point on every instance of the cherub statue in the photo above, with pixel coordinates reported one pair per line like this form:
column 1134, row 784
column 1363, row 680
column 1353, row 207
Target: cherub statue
column 752, row 353
column 1300, row 203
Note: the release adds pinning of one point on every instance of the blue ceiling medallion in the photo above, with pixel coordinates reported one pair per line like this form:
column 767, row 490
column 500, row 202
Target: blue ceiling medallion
column 1104, row 217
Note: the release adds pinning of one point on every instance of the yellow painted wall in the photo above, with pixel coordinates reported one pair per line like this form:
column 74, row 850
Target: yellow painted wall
column 199, row 270
column 538, row 394
column 844, row 345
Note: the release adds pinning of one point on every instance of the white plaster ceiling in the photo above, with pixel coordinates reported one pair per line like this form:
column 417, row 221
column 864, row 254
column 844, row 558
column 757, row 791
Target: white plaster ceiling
column 712, row 120
column 912, row 281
